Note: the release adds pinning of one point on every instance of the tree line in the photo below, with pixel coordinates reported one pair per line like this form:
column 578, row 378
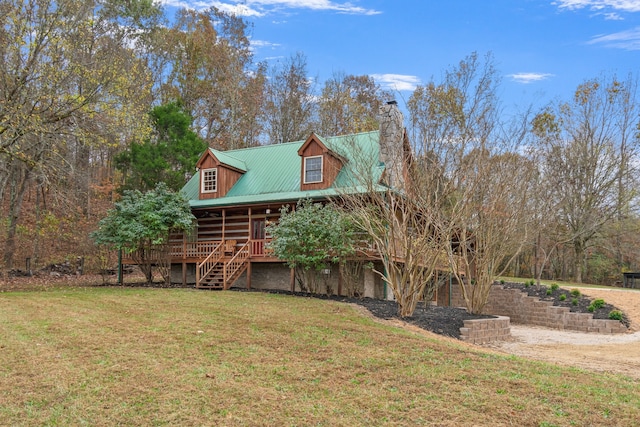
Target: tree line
column 102, row 96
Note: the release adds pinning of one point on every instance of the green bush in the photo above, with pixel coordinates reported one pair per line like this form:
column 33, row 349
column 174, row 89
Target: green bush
column 591, row 308
column 549, row 292
column 502, row 281
column 563, row 297
column 615, row 315
column 574, row 301
column 555, row 287
column 575, row 292
column 598, row 303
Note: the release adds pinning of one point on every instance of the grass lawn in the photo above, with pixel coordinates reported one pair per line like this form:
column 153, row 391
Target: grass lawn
column 113, row 356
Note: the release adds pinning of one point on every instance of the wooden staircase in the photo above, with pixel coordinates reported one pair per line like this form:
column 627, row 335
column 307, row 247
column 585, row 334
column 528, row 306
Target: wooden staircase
column 223, row 266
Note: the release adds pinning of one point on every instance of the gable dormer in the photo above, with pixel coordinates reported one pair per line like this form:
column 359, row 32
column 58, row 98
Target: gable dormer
column 218, row 173
column 319, row 165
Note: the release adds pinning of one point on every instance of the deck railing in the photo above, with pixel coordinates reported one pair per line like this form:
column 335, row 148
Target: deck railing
column 259, row 248
column 193, row 249
column 155, row 255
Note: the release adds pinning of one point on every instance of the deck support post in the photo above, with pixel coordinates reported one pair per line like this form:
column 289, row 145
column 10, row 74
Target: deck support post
column 249, row 274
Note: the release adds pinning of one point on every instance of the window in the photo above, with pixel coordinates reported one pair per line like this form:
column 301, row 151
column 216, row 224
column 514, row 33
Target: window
column 312, row 169
column 209, row 180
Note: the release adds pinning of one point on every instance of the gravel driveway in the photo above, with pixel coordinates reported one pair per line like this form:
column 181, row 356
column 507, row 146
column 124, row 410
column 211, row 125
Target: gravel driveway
column 618, row 353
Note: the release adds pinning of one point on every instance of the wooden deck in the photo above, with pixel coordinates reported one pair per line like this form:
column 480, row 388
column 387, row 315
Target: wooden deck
column 197, row 252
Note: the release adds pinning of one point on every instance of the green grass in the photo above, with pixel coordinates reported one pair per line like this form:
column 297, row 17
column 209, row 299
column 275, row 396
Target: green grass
column 113, row 356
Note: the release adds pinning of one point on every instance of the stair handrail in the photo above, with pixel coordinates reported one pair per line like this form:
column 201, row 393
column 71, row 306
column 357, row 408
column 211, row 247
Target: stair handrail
column 235, row 263
column 203, row 268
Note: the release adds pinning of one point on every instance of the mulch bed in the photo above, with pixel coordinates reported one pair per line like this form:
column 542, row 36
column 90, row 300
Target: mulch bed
column 440, row 320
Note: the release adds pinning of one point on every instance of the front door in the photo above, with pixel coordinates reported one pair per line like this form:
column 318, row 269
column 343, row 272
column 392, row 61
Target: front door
column 258, row 234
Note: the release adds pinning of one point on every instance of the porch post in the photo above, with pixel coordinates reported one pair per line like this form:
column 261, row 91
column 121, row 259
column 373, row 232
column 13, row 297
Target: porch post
column 224, row 223
column 184, row 245
column 250, row 241
column 292, row 279
column 197, row 275
column 120, row 275
column 249, row 274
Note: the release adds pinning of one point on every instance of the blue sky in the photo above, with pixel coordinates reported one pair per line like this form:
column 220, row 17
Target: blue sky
column 542, row 48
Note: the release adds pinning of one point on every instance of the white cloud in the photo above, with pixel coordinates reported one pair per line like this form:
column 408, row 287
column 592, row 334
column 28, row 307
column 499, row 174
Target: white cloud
column 612, row 16
column 621, row 5
column 234, row 7
column 341, row 7
column 263, row 7
column 263, row 43
column 238, row 9
column 526, row 78
column 629, row 39
column 396, row 81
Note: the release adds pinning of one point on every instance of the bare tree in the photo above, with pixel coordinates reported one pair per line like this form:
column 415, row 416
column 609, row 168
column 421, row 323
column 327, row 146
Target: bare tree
column 471, row 175
column 349, row 104
column 457, row 200
column 289, row 106
column 404, row 239
column 62, row 90
column 400, row 223
column 209, row 64
column 487, row 221
column 589, row 145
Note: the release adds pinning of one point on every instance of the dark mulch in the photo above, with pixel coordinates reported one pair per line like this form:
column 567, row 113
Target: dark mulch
column 576, row 304
column 440, row 320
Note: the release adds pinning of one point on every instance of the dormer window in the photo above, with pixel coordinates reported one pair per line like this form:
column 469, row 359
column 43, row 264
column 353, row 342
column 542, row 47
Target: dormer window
column 312, row 169
column 209, row 180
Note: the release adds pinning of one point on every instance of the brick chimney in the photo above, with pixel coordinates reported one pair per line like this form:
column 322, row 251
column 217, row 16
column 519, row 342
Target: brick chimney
column 391, row 140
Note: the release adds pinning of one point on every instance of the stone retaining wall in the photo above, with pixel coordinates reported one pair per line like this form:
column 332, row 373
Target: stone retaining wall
column 482, row 331
column 527, row 310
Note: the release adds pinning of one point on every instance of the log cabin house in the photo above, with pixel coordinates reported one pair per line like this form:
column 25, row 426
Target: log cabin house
column 235, row 193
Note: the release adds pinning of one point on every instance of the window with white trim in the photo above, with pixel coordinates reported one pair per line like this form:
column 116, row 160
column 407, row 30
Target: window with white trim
column 312, row 169
column 209, row 180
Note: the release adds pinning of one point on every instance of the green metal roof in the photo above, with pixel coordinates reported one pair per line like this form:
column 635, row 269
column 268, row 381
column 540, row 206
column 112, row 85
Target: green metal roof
column 228, row 159
column 272, row 172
